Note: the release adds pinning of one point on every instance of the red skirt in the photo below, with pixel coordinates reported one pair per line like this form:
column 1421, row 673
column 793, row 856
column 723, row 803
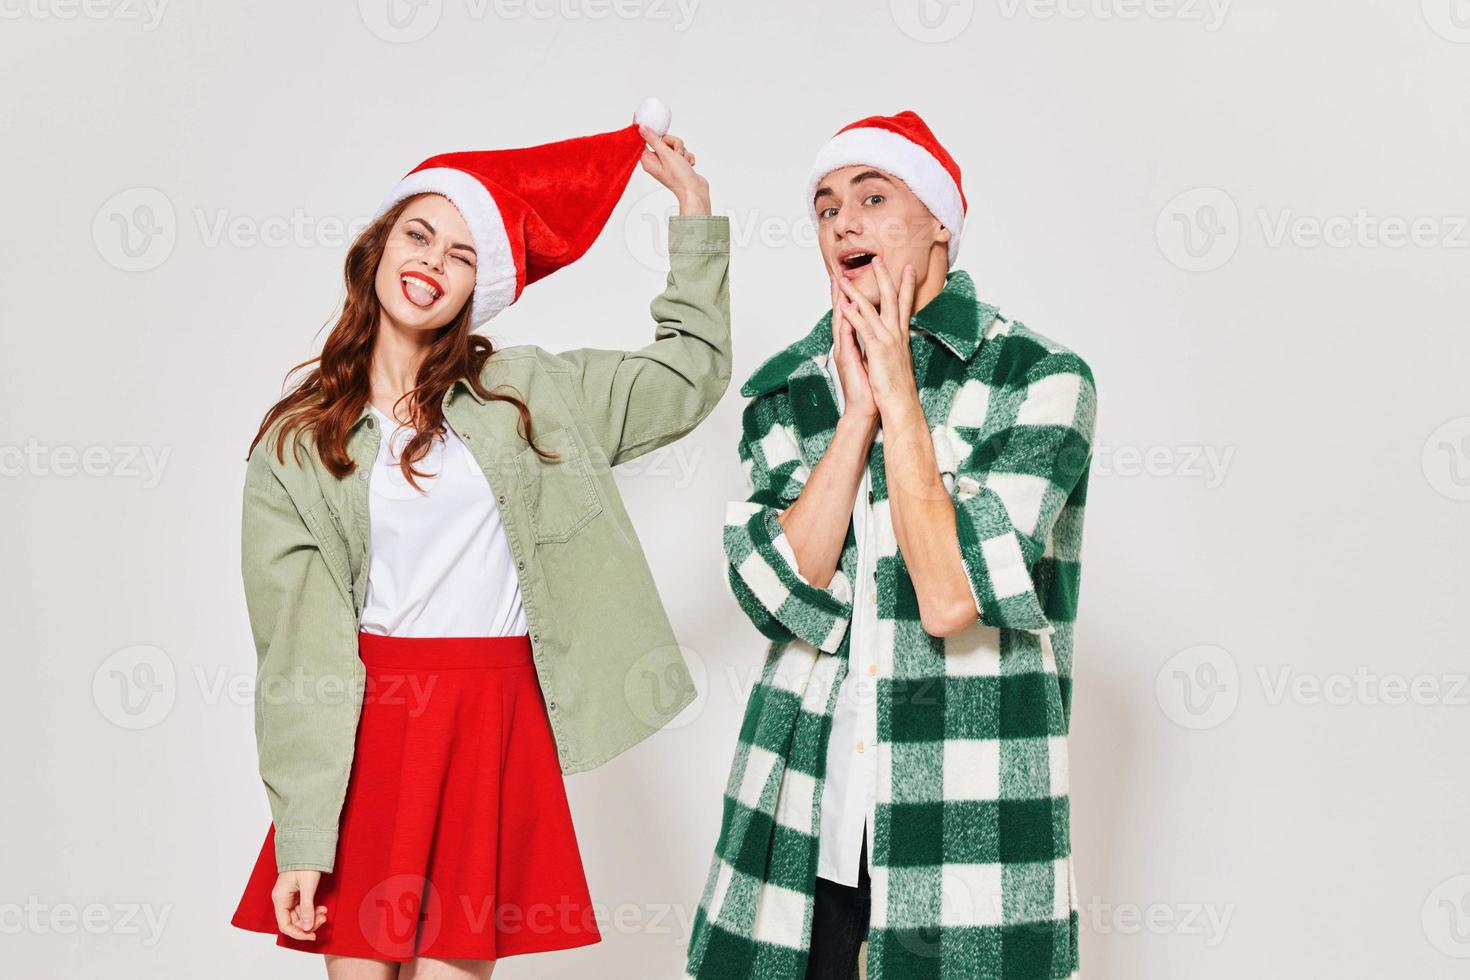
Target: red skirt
column 456, row 840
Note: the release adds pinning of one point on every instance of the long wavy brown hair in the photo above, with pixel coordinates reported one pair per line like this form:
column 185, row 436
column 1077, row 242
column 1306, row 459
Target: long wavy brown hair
column 329, row 399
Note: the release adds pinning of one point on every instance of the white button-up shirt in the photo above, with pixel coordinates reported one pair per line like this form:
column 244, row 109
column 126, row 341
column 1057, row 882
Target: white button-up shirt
column 849, row 787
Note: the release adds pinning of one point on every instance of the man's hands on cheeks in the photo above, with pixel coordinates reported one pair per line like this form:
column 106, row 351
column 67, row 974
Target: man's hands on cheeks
column 885, row 337
column 669, row 163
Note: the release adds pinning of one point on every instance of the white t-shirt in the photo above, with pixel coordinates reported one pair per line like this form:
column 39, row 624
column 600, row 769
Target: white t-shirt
column 440, row 563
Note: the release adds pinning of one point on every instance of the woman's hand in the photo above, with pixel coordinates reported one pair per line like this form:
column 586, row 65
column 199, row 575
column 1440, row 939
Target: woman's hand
column 669, row 163
column 292, row 897
column 857, row 393
column 885, row 336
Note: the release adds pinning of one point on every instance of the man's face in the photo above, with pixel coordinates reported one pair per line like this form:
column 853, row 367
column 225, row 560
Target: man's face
column 863, row 212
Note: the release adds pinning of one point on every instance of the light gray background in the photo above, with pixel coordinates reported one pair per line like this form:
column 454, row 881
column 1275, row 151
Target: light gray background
column 1250, row 219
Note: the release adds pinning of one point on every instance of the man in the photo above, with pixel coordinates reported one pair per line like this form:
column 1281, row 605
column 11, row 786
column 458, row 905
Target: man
column 919, row 470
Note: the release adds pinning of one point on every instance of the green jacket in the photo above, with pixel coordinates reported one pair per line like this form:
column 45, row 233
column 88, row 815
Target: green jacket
column 609, row 666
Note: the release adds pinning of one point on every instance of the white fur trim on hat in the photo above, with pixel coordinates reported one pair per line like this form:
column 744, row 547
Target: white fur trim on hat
column 906, row 160
column 495, row 264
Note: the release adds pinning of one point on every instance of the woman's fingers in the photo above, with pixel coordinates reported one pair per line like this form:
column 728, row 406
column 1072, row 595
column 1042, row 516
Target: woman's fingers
column 286, row 897
column 306, row 908
column 666, row 147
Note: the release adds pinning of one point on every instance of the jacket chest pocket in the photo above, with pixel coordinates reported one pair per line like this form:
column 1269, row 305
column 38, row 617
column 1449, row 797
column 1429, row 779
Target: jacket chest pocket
column 561, row 496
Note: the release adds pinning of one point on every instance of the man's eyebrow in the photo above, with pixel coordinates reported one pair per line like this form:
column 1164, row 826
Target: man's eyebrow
column 825, row 191
column 469, row 248
column 868, row 175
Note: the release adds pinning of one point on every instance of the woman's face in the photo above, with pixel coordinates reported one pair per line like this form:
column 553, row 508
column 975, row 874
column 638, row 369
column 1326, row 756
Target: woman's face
column 862, row 212
column 427, row 272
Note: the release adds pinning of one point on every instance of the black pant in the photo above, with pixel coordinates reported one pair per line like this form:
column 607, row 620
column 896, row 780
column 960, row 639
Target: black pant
column 840, row 924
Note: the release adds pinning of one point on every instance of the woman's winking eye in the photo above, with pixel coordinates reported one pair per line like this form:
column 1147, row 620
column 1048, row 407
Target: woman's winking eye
column 422, row 240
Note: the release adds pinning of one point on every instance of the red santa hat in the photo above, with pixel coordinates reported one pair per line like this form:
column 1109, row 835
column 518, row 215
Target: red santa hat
column 532, row 210
column 903, row 146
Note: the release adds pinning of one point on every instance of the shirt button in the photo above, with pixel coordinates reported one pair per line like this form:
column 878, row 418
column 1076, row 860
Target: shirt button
column 873, row 669
column 874, row 597
column 860, row 745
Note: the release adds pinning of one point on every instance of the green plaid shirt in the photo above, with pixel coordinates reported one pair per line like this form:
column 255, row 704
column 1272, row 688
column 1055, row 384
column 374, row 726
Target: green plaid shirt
column 972, row 872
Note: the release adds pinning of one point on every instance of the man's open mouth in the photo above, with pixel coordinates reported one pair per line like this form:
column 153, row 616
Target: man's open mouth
column 855, row 259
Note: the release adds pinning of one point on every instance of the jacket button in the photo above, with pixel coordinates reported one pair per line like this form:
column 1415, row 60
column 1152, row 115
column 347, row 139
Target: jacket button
column 551, row 705
column 466, row 437
column 362, row 474
column 521, row 564
column 535, row 637
column 501, row 498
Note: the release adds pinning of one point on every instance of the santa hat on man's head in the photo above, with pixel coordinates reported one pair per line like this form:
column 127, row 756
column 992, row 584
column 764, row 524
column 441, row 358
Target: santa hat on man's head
column 532, row 210
column 903, row 146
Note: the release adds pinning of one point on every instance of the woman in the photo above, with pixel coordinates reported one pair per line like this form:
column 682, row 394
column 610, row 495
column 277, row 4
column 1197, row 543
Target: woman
column 438, row 639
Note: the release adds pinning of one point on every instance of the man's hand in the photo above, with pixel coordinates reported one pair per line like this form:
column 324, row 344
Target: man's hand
column 885, row 336
column 858, row 405
column 669, row 163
